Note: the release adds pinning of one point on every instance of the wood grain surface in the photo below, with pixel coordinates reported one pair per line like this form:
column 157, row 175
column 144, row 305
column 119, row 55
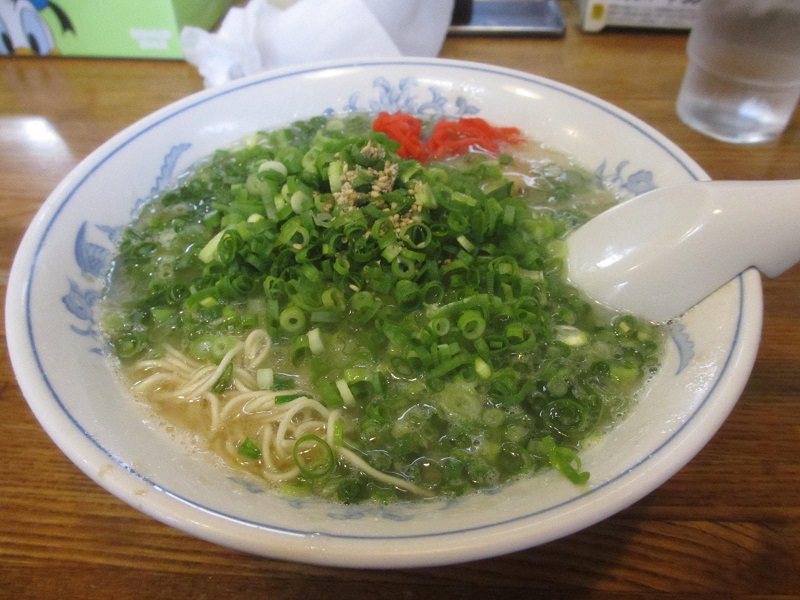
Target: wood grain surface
column 725, row 526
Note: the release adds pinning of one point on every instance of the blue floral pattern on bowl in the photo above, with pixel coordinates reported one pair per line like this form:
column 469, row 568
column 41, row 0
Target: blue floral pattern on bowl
column 406, row 96
column 93, row 257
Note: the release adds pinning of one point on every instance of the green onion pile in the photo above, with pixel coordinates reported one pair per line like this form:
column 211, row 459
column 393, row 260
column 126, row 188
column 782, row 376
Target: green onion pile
column 426, row 301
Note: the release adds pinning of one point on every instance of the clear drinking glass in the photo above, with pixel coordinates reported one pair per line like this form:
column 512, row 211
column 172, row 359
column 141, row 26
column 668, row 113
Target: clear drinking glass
column 742, row 83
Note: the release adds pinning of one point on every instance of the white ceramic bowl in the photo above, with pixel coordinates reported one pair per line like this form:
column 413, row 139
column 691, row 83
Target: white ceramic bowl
column 73, row 391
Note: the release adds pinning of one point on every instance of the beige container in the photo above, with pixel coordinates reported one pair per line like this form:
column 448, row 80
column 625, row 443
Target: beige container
column 661, row 14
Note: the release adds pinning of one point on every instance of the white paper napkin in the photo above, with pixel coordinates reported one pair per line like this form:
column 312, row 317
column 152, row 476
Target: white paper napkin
column 264, row 35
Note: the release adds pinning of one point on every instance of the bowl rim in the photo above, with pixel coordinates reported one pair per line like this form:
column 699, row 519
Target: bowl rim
column 170, row 508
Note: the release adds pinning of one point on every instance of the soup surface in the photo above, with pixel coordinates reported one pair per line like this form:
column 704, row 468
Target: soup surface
column 375, row 309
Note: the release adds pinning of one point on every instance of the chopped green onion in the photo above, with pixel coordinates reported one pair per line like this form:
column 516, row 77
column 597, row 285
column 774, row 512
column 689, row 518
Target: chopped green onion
column 472, row 324
column 465, row 243
column 209, row 251
column 564, row 460
column 225, row 380
column 248, row 449
column 289, row 397
column 315, row 341
column 572, row 336
column 265, row 378
column 292, row 319
column 344, row 390
column 482, row 368
column 313, row 456
column 273, row 170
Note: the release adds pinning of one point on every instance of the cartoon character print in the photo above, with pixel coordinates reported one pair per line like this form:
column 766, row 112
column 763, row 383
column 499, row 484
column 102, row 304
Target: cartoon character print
column 24, row 31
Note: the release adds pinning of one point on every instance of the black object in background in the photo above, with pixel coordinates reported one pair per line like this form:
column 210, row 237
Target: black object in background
column 507, row 17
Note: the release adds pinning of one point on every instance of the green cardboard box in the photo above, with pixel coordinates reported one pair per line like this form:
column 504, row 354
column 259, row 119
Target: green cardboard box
column 103, row 28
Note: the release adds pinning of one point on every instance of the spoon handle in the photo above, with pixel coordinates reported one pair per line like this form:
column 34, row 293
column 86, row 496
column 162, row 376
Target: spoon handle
column 765, row 217
column 661, row 253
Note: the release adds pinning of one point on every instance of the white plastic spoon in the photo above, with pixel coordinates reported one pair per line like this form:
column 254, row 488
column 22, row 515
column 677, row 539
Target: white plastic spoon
column 659, row 254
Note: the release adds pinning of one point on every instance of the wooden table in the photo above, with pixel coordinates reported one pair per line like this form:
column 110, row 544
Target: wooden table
column 726, row 525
